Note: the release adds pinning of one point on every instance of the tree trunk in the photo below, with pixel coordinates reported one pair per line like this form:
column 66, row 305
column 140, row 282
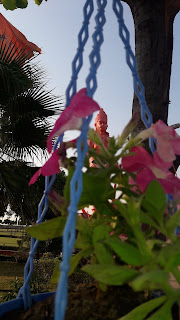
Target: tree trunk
column 153, row 22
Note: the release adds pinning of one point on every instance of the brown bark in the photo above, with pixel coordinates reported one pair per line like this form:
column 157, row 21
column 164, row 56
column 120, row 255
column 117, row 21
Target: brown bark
column 153, row 22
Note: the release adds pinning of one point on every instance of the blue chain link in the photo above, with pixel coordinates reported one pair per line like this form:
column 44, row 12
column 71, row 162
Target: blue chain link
column 69, row 231
column 146, row 115
column 78, row 59
column 24, row 292
column 82, row 147
column 94, row 57
column 76, row 181
column 43, row 206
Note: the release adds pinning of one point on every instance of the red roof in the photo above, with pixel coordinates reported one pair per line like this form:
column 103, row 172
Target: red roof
column 12, row 36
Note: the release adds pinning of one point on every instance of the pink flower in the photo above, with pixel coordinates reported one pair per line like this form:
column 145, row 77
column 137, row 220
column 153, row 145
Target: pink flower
column 168, row 141
column 56, row 160
column 150, row 168
column 81, row 106
column 49, row 168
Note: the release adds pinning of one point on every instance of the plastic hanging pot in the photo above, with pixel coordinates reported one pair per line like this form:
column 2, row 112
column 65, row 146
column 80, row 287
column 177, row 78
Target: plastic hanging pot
column 17, row 304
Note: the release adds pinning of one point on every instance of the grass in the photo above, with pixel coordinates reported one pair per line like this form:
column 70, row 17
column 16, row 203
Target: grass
column 11, row 269
column 8, row 272
column 12, row 232
column 17, row 234
column 9, row 242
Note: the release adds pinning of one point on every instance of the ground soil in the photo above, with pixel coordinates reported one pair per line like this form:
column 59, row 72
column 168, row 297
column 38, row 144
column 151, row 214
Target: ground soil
column 87, row 302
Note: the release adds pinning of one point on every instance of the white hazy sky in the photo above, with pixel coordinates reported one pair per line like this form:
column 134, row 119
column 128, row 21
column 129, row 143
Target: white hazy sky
column 54, row 27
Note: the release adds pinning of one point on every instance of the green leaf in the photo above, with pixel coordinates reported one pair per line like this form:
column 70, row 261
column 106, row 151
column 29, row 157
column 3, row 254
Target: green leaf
column 156, row 242
column 13, row 4
column 9, row 4
column 155, row 195
column 126, row 252
column 75, row 260
column 95, row 137
column 144, row 309
column 21, row 3
column 164, row 312
column 95, row 190
column 147, row 219
column 73, row 264
column 48, row 230
column 172, row 223
column 56, row 274
column 110, row 274
column 103, row 254
column 38, row 2
column 169, row 256
column 122, row 209
column 84, row 238
column 127, row 130
column 154, row 279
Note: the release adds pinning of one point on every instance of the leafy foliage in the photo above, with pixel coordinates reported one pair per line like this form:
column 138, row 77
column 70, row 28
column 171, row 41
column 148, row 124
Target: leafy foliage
column 14, row 4
column 143, row 261
column 26, row 111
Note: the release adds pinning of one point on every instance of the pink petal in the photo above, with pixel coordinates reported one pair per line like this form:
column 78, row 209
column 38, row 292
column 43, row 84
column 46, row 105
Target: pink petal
column 160, row 128
column 144, row 177
column 159, row 163
column 48, row 169
column 52, row 165
column 139, row 160
column 83, row 104
column 165, row 149
column 71, row 124
column 176, row 145
column 35, row 177
column 133, row 183
column 80, row 107
column 171, row 184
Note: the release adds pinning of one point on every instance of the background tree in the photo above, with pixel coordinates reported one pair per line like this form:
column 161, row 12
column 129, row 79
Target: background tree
column 26, row 109
column 153, row 22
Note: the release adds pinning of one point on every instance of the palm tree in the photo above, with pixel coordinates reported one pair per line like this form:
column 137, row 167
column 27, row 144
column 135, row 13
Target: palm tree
column 26, row 110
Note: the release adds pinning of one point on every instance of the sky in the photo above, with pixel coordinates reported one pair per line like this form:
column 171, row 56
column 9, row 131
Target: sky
column 54, row 27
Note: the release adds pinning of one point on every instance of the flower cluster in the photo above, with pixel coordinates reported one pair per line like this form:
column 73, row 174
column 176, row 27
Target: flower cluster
column 81, row 106
column 146, row 167
column 155, row 167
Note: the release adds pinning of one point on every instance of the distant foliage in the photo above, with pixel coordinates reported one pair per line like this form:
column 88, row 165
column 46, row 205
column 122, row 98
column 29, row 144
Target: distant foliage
column 14, row 4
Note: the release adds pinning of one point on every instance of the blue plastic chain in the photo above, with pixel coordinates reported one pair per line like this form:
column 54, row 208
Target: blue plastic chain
column 146, row 115
column 76, row 181
column 43, row 205
column 82, row 146
column 25, row 292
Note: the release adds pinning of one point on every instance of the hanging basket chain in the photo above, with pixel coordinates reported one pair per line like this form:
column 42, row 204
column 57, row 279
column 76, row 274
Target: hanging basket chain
column 43, row 205
column 25, row 292
column 146, row 115
column 76, row 181
column 94, row 57
column 82, row 146
column 77, row 62
column 78, row 59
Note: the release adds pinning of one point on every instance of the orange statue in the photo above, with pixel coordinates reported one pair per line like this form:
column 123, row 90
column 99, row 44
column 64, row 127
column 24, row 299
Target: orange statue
column 100, row 127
